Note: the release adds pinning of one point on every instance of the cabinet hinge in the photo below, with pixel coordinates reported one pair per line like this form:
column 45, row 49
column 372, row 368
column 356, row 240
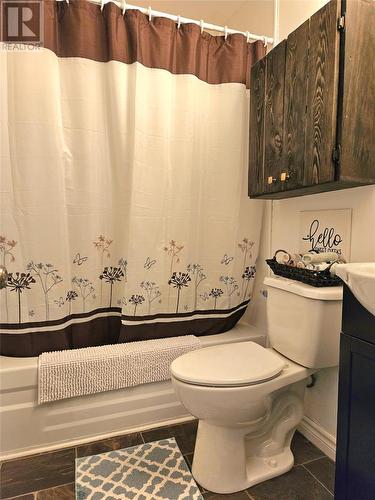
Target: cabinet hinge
column 336, row 154
column 341, row 23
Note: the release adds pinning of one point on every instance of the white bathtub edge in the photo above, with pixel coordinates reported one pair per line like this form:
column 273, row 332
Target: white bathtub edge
column 28, row 428
column 99, row 437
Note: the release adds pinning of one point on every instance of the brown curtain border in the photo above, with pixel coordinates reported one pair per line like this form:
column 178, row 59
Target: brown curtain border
column 81, row 29
column 116, row 311
column 109, row 330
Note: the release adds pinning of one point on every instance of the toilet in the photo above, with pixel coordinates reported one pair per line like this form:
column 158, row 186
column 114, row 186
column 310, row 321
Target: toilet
column 249, row 399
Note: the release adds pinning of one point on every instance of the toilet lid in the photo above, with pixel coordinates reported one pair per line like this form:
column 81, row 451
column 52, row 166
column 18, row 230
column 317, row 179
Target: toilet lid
column 240, row 363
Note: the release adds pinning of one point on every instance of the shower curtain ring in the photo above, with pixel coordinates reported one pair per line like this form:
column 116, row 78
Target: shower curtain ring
column 149, row 14
column 248, row 36
column 124, row 7
column 201, row 22
column 265, row 41
column 178, row 21
column 225, row 32
column 102, row 5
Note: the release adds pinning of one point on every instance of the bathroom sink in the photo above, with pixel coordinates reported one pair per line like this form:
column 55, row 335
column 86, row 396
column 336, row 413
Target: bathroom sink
column 360, row 278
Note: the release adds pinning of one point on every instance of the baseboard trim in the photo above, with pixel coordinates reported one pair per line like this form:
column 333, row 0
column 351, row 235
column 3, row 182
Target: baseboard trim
column 318, row 436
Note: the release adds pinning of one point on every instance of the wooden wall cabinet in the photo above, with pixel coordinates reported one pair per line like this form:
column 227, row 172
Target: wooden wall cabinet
column 312, row 106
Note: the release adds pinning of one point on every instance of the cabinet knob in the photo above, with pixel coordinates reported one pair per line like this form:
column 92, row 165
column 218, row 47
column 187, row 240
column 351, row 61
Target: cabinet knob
column 285, row 176
column 271, row 180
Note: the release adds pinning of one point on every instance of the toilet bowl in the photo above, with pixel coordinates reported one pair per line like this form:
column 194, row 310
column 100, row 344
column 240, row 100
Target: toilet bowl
column 249, row 399
column 245, row 424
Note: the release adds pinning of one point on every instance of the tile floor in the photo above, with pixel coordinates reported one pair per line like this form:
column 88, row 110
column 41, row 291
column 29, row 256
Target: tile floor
column 50, row 476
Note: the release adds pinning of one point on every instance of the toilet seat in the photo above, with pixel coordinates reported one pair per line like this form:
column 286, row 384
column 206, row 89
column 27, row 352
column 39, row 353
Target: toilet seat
column 228, row 365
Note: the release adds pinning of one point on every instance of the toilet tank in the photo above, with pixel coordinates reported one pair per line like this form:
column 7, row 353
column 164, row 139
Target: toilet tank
column 304, row 322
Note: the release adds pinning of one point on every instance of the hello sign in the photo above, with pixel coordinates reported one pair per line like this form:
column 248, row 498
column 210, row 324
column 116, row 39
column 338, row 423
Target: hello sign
column 326, row 231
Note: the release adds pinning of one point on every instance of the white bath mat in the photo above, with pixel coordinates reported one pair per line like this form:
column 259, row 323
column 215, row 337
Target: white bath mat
column 156, row 471
column 78, row 372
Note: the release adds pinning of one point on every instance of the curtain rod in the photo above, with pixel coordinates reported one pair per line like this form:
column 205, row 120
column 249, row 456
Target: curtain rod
column 181, row 20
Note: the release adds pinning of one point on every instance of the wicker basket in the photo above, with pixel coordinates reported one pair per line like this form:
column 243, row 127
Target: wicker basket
column 308, row 276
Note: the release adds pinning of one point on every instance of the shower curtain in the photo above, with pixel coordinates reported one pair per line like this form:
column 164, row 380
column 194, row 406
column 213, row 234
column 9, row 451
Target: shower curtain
column 124, row 208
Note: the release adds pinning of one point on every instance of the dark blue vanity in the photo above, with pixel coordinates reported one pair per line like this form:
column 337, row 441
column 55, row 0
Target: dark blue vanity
column 355, row 458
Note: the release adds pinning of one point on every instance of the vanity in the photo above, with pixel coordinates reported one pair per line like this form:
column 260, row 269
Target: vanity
column 355, row 458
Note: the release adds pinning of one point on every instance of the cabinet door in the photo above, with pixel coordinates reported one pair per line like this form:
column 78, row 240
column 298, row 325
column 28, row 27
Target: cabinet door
column 357, row 142
column 355, row 457
column 295, row 107
column 274, row 117
column 256, row 140
column 322, row 95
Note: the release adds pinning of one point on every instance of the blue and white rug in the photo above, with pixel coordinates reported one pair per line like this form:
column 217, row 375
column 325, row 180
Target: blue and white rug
column 156, row 471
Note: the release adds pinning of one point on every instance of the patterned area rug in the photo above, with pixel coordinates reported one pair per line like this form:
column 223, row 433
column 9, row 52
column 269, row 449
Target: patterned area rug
column 151, row 471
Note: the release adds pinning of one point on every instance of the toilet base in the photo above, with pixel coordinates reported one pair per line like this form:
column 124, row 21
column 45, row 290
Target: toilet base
column 230, row 459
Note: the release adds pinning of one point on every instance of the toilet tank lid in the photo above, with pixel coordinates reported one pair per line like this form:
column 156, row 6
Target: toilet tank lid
column 308, row 291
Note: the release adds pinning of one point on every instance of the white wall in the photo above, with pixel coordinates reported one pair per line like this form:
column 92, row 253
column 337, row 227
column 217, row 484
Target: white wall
column 321, row 401
column 281, row 230
column 295, row 12
column 255, row 16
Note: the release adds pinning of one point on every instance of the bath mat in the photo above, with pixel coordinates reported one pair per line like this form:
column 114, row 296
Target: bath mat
column 79, row 372
column 151, row 471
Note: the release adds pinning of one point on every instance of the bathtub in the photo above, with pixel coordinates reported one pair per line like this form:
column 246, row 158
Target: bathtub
column 27, row 428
